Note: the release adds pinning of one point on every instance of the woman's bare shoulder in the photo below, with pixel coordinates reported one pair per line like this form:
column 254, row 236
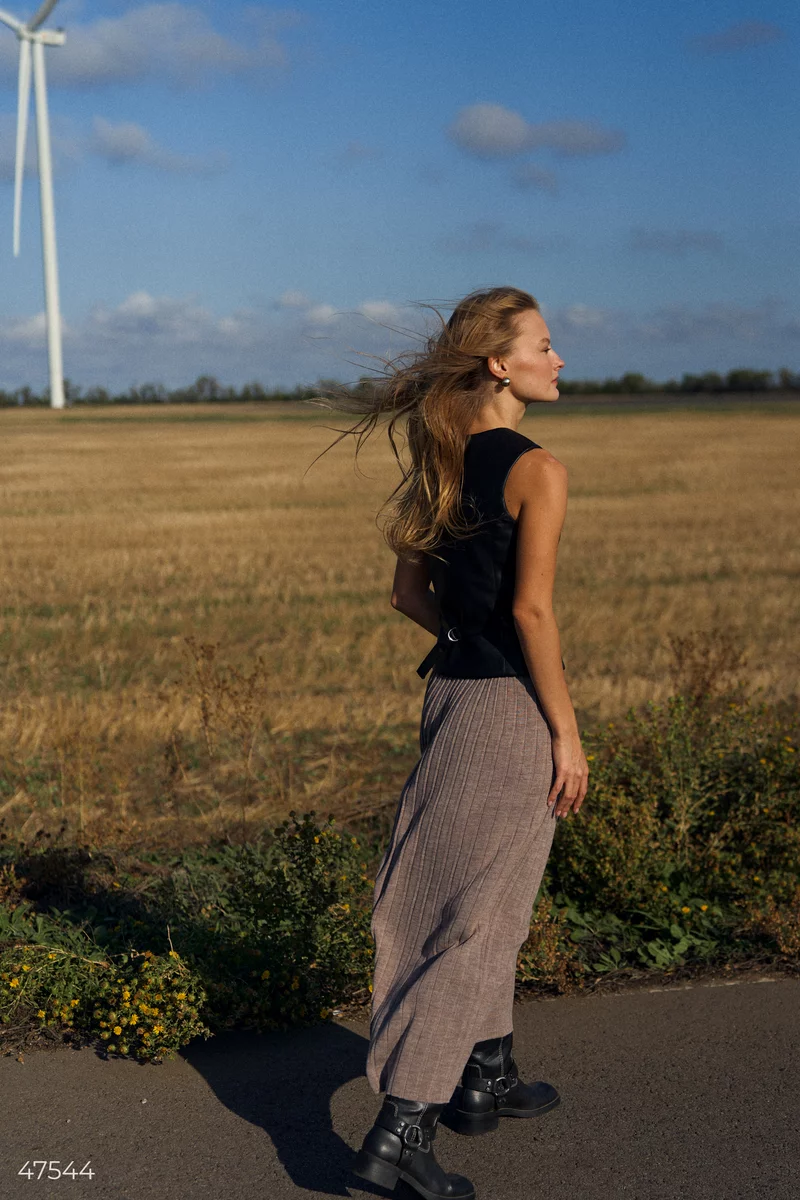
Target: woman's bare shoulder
column 535, row 474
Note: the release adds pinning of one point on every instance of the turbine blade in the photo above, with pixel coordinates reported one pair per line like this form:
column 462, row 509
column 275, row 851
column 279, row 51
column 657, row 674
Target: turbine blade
column 41, row 16
column 23, row 106
column 10, row 21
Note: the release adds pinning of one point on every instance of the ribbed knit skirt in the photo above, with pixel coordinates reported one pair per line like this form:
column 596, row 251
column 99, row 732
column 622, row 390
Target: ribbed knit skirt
column 455, row 890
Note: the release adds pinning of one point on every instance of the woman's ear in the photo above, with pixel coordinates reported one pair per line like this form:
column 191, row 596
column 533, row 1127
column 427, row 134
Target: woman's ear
column 497, row 367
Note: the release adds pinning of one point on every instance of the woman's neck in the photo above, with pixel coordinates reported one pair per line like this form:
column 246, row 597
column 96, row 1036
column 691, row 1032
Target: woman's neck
column 501, row 412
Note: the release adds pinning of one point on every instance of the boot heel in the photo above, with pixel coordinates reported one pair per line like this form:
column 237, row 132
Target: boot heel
column 474, row 1123
column 372, row 1168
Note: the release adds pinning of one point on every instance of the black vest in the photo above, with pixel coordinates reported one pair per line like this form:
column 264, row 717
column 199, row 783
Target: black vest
column 474, row 578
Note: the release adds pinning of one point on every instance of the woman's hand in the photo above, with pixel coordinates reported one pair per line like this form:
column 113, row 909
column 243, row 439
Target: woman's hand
column 572, row 775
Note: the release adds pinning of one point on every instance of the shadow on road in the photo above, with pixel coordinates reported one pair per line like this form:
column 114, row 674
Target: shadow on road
column 283, row 1083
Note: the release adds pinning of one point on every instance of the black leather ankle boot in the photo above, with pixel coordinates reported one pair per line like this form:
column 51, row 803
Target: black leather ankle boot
column 490, row 1088
column 400, row 1146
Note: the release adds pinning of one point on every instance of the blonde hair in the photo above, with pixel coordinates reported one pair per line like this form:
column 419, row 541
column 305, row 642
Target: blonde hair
column 438, row 391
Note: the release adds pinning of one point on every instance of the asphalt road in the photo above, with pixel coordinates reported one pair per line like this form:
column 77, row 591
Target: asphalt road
column 689, row 1093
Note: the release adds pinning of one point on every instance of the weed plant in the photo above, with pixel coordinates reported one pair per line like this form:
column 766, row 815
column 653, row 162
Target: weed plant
column 685, row 855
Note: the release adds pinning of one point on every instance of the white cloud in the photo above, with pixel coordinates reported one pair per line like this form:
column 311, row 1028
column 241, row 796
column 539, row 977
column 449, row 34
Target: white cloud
column 173, row 339
column 492, row 131
column 742, row 36
column 173, row 41
column 484, row 237
column 123, row 142
column 529, row 176
column 320, row 314
column 163, row 320
column 584, row 318
column 127, row 142
column 27, row 332
column 676, row 242
column 293, row 300
column 380, row 310
column 766, row 326
column 574, row 138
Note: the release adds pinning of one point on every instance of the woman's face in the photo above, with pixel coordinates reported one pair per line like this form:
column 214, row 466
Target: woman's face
column 532, row 364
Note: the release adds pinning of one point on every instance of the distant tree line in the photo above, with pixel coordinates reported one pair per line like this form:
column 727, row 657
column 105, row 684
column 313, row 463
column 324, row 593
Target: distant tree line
column 208, row 390
column 205, row 390
column 742, row 379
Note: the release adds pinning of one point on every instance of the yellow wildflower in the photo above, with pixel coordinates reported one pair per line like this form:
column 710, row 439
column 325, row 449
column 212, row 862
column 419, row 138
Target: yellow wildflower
column 41, row 1013
column 51, row 956
column 117, row 1030
column 14, row 982
column 703, row 907
column 685, row 908
column 73, row 1002
column 664, row 887
column 265, row 974
column 316, row 839
column 26, row 966
column 180, row 995
column 324, row 1012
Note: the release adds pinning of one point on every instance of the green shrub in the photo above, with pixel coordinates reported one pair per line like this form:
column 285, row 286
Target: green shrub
column 685, row 794
column 280, row 933
column 688, row 835
column 686, row 852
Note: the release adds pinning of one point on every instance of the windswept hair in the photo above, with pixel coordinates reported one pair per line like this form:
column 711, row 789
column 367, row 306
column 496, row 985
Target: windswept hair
column 438, row 392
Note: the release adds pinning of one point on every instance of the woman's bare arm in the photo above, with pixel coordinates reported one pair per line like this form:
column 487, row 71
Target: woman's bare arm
column 536, row 494
column 412, row 595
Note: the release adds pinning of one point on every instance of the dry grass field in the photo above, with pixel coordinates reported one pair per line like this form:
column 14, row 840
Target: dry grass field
column 125, row 533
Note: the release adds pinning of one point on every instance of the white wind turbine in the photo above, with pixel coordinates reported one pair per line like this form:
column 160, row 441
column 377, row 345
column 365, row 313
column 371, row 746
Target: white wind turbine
column 32, row 36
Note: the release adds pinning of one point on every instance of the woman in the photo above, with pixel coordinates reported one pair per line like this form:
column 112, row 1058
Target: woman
column 478, row 516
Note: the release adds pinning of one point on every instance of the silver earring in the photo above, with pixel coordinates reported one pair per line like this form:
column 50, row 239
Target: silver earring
column 505, row 382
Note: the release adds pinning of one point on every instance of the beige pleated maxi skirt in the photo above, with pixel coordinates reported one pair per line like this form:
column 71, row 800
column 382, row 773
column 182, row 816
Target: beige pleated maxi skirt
column 455, row 889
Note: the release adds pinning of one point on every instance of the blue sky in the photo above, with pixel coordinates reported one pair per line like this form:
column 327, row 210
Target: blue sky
column 262, row 193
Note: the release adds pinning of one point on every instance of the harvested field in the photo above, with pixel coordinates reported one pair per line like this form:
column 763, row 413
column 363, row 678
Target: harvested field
column 125, row 532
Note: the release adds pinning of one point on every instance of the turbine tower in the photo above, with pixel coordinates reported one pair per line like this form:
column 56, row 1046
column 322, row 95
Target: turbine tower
column 32, row 41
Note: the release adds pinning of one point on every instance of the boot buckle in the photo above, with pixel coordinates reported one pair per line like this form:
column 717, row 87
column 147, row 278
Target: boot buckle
column 503, row 1084
column 413, row 1135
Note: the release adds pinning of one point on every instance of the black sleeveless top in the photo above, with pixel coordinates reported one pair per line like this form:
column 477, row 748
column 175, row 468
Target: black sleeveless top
column 473, row 579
